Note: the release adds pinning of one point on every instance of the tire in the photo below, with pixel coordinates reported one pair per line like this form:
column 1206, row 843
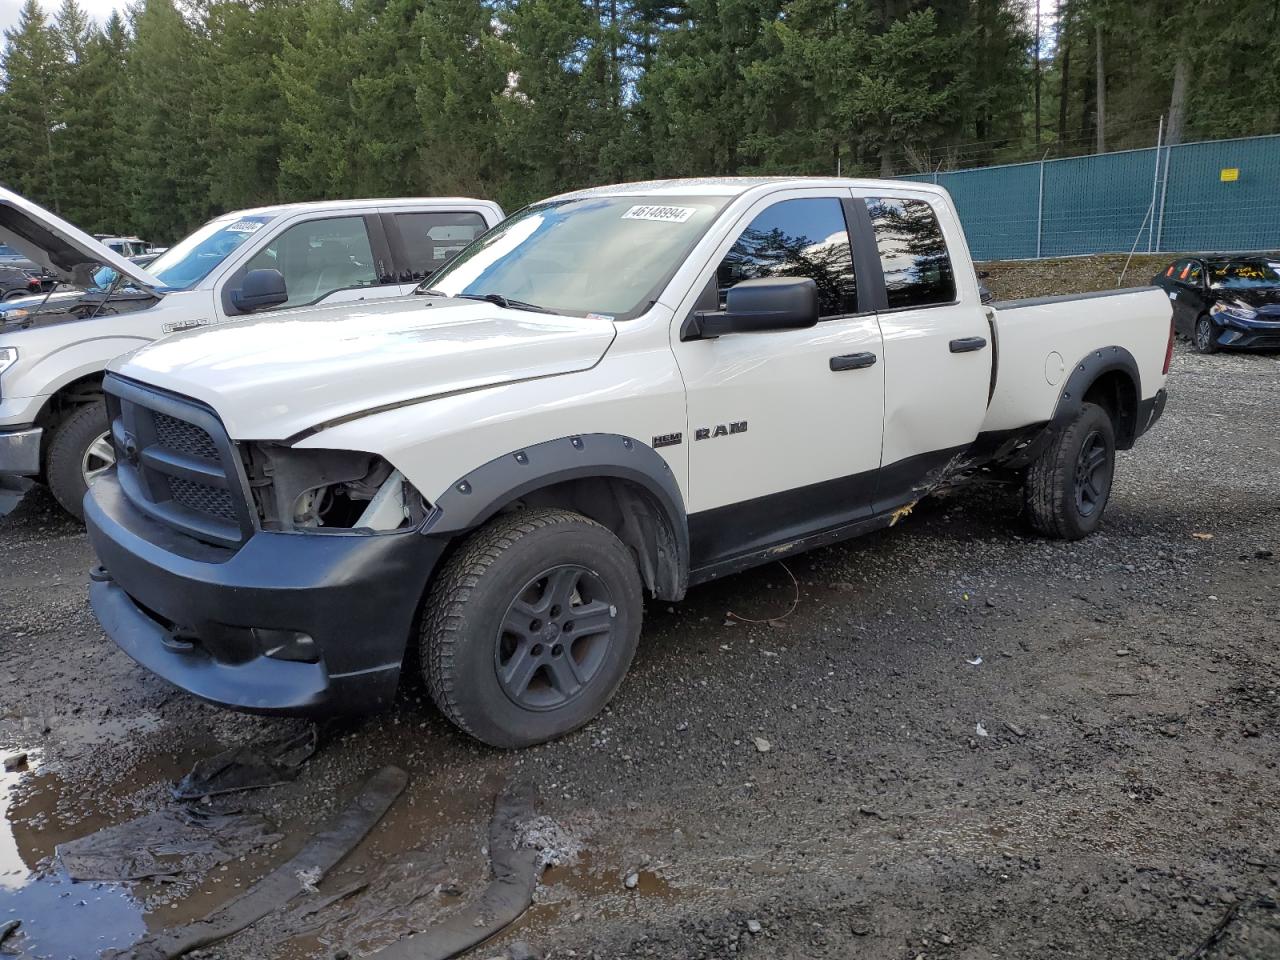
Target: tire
column 1204, row 338
column 495, row 617
column 1069, row 485
column 17, row 295
column 71, row 461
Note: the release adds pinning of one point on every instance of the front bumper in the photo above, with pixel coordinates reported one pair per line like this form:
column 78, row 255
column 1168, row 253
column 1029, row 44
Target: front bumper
column 203, row 618
column 1239, row 334
column 20, row 452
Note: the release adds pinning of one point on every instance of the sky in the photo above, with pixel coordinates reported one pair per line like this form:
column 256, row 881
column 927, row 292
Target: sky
column 98, row 9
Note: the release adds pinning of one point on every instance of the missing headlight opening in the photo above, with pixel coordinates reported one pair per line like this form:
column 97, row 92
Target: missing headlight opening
column 329, row 490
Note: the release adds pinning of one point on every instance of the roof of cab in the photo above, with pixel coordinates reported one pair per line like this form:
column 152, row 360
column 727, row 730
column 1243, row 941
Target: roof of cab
column 314, row 206
column 735, row 186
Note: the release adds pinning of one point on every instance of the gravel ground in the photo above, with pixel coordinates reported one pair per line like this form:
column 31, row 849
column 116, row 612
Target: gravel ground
column 846, row 781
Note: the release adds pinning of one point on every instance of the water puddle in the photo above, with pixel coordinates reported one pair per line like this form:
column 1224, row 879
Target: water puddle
column 59, row 918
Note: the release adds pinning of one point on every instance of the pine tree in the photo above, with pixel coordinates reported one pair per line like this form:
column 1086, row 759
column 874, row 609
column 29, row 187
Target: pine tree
column 30, row 102
column 84, row 137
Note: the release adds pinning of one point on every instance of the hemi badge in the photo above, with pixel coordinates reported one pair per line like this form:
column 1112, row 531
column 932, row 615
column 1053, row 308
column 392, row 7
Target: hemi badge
column 668, row 440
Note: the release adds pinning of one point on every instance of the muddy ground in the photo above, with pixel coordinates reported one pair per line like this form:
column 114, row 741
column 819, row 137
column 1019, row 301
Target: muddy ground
column 1103, row 784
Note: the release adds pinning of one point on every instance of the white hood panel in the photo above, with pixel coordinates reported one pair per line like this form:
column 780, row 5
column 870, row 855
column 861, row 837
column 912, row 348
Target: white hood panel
column 57, row 246
column 275, row 376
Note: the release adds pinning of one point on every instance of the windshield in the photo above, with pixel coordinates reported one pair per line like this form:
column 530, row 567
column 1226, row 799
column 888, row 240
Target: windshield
column 595, row 255
column 186, row 264
column 1243, row 275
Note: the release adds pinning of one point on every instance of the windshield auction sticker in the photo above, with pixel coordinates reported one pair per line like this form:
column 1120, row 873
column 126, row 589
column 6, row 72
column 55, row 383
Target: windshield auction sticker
column 245, row 226
column 661, row 214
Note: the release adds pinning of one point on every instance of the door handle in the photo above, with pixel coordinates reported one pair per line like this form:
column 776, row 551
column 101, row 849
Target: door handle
column 853, row 361
column 968, row 344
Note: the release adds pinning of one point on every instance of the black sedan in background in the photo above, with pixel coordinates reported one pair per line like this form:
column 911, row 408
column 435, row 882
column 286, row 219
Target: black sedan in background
column 15, row 283
column 1225, row 301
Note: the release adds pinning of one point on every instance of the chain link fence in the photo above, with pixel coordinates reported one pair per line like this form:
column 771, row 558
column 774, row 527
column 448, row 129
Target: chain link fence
column 1220, row 195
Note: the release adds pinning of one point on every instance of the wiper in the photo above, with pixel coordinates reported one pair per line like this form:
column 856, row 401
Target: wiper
column 505, row 302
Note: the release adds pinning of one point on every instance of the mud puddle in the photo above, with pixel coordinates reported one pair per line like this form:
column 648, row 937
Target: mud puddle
column 59, row 918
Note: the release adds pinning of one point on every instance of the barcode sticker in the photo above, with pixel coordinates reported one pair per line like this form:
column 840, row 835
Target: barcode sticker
column 660, row 214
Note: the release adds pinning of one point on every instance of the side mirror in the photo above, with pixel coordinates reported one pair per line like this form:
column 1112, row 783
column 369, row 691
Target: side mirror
column 754, row 306
column 260, row 289
column 984, row 274
column 985, row 295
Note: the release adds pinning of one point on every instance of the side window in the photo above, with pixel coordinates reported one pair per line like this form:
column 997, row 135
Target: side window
column 433, row 239
column 1175, row 269
column 913, row 253
column 318, row 257
column 797, row 238
column 1195, row 273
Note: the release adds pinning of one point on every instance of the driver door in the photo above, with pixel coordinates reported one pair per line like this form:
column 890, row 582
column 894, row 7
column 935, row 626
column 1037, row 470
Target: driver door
column 784, row 427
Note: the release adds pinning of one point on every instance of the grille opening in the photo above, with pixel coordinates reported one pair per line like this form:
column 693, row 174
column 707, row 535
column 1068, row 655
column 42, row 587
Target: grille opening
column 182, row 437
column 213, row 501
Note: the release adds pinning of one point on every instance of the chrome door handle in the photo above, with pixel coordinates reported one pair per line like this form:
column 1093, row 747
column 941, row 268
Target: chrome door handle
column 968, row 344
column 853, row 361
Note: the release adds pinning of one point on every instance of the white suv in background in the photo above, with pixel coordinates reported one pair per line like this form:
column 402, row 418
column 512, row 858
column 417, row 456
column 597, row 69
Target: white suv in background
column 53, row 349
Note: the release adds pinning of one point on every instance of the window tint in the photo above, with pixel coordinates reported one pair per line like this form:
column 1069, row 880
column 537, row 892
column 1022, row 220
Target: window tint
column 1192, row 273
column 913, row 253
column 797, row 238
column 433, row 239
column 319, row 257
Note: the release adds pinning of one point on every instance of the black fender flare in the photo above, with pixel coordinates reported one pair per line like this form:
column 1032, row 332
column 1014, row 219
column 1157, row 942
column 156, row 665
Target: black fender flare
column 474, row 498
column 1085, row 374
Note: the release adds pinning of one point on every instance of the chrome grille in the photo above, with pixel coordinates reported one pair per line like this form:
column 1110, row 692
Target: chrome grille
column 182, row 437
column 176, row 464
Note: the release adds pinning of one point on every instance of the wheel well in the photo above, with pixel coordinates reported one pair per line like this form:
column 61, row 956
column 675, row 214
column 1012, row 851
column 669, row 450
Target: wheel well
column 64, row 401
column 1117, row 394
column 635, row 517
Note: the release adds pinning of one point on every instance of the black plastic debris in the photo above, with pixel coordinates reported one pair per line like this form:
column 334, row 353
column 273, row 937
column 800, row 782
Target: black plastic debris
column 286, row 882
column 250, row 766
column 515, row 870
column 165, row 844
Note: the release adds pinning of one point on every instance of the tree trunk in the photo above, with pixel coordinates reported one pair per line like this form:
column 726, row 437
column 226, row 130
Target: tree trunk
column 1064, row 32
column 1101, row 94
column 886, row 160
column 1178, row 102
column 1037, row 54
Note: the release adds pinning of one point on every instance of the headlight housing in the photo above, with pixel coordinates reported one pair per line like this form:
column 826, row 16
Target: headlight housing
column 1233, row 311
column 329, row 491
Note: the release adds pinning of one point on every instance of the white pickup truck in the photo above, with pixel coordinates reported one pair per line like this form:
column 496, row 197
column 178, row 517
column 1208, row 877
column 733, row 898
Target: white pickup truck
column 625, row 389
column 53, row 349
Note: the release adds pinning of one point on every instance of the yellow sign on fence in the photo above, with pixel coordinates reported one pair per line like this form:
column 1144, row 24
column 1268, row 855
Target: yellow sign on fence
column 1229, row 174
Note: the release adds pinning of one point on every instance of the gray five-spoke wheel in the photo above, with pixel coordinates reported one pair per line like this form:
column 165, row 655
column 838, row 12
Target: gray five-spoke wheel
column 555, row 637
column 1093, row 474
column 99, row 457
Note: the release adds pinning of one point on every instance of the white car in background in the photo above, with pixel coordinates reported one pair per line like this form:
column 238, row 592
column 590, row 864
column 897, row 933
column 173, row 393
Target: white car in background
column 54, row 348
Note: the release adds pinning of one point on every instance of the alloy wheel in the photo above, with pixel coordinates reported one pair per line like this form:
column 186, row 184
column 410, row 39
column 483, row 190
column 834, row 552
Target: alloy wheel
column 1092, row 474
column 98, row 458
column 555, row 637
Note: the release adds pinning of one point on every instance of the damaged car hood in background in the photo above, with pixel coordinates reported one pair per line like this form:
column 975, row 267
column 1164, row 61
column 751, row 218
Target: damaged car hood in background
column 276, row 376
column 59, row 248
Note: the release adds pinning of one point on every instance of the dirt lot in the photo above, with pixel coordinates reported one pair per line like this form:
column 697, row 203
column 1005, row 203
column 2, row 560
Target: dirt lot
column 1102, row 784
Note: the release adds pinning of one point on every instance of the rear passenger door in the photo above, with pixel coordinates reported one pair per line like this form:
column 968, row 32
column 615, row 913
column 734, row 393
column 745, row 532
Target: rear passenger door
column 424, row 241
column 937, row 350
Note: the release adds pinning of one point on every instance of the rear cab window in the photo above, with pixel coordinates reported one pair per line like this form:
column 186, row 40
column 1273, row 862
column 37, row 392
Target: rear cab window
column 430, row 240
column 913, row 253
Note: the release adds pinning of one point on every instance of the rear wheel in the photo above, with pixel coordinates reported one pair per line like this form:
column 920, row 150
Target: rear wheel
column 1069, row 485
column 1205, row 337
column 79, row 452
column 529, row 629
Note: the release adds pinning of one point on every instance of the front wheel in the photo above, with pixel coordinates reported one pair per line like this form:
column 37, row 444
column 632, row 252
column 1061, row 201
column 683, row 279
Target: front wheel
column 530, row 627
column 1069, row 484
column 79, row 452
column 1205, row 339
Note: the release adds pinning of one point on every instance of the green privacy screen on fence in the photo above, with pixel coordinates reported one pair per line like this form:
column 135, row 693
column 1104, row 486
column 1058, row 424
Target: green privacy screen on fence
column 1219, row 195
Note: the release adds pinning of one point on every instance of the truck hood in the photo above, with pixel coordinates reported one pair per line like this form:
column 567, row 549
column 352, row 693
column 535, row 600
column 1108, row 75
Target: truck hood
column 57, row 247
column 277, row 376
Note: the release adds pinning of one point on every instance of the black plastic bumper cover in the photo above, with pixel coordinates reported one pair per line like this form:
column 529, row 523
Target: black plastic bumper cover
column 202, row 618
